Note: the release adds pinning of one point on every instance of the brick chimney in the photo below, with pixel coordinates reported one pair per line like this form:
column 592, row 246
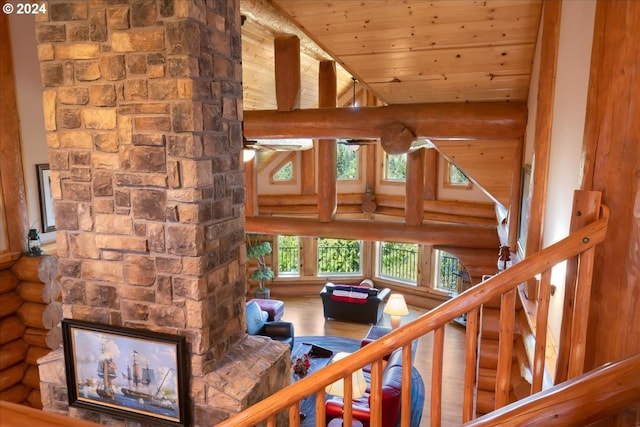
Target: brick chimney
column 143, row 109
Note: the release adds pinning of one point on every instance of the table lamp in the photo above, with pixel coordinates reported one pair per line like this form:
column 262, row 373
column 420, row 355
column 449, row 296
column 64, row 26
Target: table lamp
column 358, row 383
column 395, row 308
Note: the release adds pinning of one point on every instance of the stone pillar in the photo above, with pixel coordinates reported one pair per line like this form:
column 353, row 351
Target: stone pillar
column 143, row 108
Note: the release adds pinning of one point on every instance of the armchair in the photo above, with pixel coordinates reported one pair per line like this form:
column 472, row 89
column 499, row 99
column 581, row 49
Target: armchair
column 257, row 325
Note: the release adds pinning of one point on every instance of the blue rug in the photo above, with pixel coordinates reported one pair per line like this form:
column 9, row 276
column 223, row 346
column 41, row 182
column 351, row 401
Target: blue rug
column 349, row 345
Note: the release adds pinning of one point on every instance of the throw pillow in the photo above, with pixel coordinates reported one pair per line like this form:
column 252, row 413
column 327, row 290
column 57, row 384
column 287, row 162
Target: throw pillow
column 254, row 318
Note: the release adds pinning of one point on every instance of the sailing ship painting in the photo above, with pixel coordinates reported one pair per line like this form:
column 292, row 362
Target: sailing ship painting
column 140, row 376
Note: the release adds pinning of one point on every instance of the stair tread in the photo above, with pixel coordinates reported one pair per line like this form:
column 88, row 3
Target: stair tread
column 489, row 353
column 490, row 322
column 485, row 402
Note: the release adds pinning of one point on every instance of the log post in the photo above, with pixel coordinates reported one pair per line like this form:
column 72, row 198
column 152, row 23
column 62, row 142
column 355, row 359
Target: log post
column 287, row 67
column 13, row 187
column 414, row 188
column 251, row 187
column 430, row 174
column 544, row 119
column 327, row 148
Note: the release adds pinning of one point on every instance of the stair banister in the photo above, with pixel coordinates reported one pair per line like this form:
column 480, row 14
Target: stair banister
column 598, row 394
column 578, row 242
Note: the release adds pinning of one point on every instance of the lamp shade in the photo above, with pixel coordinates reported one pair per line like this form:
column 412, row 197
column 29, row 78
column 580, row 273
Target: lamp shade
column 396, row 306
column 358, row 383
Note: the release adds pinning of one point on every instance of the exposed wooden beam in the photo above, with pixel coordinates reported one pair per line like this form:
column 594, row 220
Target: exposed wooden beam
column 482, row 120
column 436, row 234
column 327, row 149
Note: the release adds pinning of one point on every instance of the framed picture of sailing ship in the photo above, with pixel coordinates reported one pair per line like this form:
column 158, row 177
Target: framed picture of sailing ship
column 127, row 372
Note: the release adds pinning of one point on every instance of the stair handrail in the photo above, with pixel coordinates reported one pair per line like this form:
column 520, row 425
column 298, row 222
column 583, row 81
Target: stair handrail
column 593, row 396
column 576, row 243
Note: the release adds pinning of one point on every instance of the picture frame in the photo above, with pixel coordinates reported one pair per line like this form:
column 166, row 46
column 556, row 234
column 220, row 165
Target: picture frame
column 127, row 372
column 43, row 172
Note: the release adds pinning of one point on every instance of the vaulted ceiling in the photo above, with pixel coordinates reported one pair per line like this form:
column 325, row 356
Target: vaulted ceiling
column 404, row 51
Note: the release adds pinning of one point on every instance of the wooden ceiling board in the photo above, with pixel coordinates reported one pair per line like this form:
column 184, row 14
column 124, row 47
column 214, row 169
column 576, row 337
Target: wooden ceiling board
column 414, row 65
column 389, row 40
column 452, row 89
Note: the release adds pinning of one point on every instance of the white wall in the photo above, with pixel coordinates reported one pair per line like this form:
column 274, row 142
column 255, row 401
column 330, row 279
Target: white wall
column 565, row 168
column 29, row 99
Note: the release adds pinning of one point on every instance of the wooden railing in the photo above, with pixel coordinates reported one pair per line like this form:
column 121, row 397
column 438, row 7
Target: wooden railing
column 580, row 243
column 608, row 390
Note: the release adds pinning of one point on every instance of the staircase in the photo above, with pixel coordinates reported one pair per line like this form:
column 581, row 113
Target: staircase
column 510, row 363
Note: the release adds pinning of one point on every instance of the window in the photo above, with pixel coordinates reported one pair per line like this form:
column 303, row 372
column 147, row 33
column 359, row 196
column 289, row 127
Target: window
column 288, row 256
column 395, row 167
column 454, row 177
column 398, row 261
column 449, row 273
column 348, row 162
column 339, row 256
column 285, row 173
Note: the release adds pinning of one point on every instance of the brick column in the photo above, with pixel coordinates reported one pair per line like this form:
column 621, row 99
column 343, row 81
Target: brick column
column 143, row 108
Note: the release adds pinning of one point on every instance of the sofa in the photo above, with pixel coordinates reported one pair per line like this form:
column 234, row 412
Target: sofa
column 257, row 324
column 359, row 304
column 391, row 395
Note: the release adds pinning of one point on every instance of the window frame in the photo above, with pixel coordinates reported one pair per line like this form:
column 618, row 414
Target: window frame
column 289, row 158
column 446, row 177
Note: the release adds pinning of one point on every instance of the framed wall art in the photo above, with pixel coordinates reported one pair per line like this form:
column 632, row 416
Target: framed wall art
column 46, row 200
column 127, row 372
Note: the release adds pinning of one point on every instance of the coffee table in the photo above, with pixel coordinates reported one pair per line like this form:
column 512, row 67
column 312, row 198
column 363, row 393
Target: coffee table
column 307, row 405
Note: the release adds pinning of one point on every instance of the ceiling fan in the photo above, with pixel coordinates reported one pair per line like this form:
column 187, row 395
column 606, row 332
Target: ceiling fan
column 278, row 144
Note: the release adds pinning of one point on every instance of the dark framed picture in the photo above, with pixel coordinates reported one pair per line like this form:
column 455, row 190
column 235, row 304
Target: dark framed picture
column 127, row 372
column 46, row 200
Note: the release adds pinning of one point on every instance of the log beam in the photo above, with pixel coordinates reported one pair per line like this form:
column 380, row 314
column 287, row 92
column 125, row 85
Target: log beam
column 461, row 235
column 481, row 120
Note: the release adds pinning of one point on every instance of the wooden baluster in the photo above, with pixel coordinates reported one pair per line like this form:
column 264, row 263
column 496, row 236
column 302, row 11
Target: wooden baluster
column 436, row 377
column 505, row 351
column 347, row 416
column 470, row 368
column 542, row 317
column 407, row 365
column 271, row 421
column 294, row 415
column 375, row 400
column 320, row 408
column 581, row 313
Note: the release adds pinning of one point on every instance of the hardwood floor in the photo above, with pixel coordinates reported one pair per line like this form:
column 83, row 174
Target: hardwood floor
column 306, row 315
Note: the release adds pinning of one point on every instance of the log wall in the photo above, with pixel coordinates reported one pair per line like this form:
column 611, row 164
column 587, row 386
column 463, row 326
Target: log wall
column 22, row 333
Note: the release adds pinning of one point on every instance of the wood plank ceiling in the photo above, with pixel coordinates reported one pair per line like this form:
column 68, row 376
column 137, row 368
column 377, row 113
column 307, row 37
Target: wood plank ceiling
column 404, row 51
